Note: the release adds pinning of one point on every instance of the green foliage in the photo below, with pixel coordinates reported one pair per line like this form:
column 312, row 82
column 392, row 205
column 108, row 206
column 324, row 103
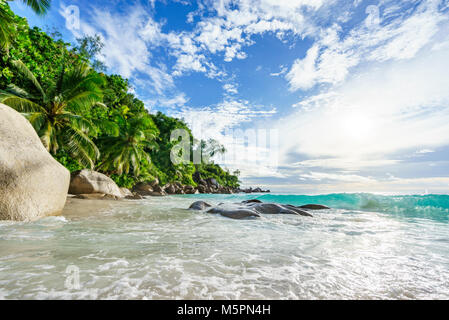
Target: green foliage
column 128, row 151
column 83, row 115
column 223, row 177
column 7, row 23
column 124, row 180
column 56, row 113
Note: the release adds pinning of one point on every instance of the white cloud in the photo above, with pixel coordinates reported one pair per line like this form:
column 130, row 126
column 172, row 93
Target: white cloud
column 331, row 57
column 179, row 100
column 380, row 111
column 281, row 72
column 230, row 88
column 391, row 186
column 127, row 39
column 319, row 176
column 424, row 151
column 344, row 163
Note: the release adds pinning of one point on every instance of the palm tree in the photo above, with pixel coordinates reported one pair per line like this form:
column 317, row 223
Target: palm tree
column 7, row 23
column 130, row 147
column 55, row 112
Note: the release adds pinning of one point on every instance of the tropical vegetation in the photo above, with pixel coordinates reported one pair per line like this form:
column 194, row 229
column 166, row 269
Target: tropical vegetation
column 87, row 118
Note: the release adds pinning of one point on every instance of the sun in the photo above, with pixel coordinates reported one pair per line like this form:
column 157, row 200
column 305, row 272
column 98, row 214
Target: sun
column 357, row 126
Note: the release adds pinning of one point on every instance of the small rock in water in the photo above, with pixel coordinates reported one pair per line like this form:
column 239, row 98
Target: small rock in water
column 273, row 208
column 238, row 213
column 314, row 207
column 199, row 205
column 252, row 201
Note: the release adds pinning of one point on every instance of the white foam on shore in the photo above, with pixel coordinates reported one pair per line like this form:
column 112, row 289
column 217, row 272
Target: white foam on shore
column 156, row 249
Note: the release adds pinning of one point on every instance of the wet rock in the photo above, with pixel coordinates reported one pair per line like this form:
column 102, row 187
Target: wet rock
column 238, row 214
column 314, row 207
column 252, row 201
column 274, row 208
column 199, row 205
column 250, row 209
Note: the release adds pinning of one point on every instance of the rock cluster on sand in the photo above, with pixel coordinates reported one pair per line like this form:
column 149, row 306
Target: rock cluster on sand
column 88, row 184
column 32, row 184
column 211, row 186
column 254, row 208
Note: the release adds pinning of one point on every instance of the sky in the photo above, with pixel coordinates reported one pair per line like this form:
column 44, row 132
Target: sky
column 308, row 96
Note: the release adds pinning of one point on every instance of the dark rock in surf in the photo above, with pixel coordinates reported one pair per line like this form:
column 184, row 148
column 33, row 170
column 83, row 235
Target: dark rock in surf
column 238, row 214
column 252, row 201
column 274, row 208
column 249, row 209
column 314, row 207
column 199, row 205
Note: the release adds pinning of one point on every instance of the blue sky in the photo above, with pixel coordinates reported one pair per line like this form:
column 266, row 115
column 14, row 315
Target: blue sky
column 354, row 94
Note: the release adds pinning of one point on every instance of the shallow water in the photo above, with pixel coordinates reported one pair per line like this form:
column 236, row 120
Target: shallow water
column 370, row 247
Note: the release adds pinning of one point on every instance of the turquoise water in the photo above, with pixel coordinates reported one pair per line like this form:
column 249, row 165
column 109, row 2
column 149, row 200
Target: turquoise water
column 407, row 206
column 366, row 247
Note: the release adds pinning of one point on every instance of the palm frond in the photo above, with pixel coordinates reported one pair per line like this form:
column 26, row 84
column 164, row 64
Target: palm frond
column 12, row 88
column 46, row 136
column 81, row 147
column 37, row 119
column 18, row 103
column 108, row 127
column 6, row 27
column 77, row 122
column 29, row 75
column 39, row 6
column 83, row 100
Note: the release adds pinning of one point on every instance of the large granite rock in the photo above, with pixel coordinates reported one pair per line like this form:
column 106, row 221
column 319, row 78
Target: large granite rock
column 88, row 181
column 32, row 184
column 253, row 209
